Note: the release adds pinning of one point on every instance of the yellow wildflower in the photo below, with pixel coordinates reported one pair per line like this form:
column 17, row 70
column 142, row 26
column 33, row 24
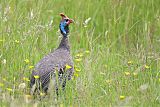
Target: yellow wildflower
column 68, row 67
column 26, row 79
column 1, row 84
column 42, row 94
column 135, row 73
column 26, row 61
column 78, row 60
column 30, row 67
column 130, row 62
column 87, row 51
column 146, row 66
column 79, row 55
column 127, row 73
column 77, row 69
column 36, row 76
column 76, row 74
column 108, row 81
column 16, row 41
column 9, row 89
column 122, row 97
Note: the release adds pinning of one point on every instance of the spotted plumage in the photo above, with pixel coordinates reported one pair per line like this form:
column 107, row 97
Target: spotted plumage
column 54, row 62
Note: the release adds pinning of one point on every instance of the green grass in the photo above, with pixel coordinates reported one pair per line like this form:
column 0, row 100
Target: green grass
column 119, row 31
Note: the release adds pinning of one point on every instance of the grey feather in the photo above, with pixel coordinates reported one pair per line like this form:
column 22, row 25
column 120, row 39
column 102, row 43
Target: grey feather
column 51, row 63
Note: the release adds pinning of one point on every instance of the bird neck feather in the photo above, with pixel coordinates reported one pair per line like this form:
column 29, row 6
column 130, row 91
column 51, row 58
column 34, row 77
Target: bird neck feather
column 64, row 43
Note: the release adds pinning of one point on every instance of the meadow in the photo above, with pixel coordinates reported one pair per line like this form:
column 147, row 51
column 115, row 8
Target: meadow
column 115, row 45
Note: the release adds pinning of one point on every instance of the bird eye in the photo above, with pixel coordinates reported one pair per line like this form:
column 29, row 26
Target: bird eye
column 66, row 20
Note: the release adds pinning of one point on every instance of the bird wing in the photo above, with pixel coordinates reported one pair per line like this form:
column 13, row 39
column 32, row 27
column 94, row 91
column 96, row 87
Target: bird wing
column 54, row 61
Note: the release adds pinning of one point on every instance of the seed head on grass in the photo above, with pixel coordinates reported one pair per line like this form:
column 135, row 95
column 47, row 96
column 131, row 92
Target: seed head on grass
column 4, row 61
column 22, row 86
column 86, row 22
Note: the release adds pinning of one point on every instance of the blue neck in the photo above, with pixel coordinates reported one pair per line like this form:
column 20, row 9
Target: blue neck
column 64, row 29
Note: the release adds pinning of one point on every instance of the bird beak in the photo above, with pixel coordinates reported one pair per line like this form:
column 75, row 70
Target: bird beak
column 71, row 20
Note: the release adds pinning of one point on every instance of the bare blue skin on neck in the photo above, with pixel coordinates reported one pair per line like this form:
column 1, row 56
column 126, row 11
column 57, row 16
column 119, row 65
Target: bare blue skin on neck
column 64, row 28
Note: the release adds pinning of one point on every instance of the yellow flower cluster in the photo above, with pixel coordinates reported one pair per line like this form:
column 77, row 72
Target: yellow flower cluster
column 78, row 59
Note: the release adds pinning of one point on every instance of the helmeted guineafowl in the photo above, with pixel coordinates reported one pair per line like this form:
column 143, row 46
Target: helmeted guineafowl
column 55, row 62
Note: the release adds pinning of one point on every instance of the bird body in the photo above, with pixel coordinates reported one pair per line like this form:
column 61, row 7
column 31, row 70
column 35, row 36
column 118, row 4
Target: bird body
column 54, row 62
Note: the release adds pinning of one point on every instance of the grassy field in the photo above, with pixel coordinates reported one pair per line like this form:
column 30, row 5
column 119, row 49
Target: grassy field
column 115, row 45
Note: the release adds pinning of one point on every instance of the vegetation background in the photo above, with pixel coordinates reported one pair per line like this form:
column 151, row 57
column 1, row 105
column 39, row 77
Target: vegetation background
column 115, row 45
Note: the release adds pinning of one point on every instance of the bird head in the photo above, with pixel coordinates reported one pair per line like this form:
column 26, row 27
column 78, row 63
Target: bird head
column 64, row 24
